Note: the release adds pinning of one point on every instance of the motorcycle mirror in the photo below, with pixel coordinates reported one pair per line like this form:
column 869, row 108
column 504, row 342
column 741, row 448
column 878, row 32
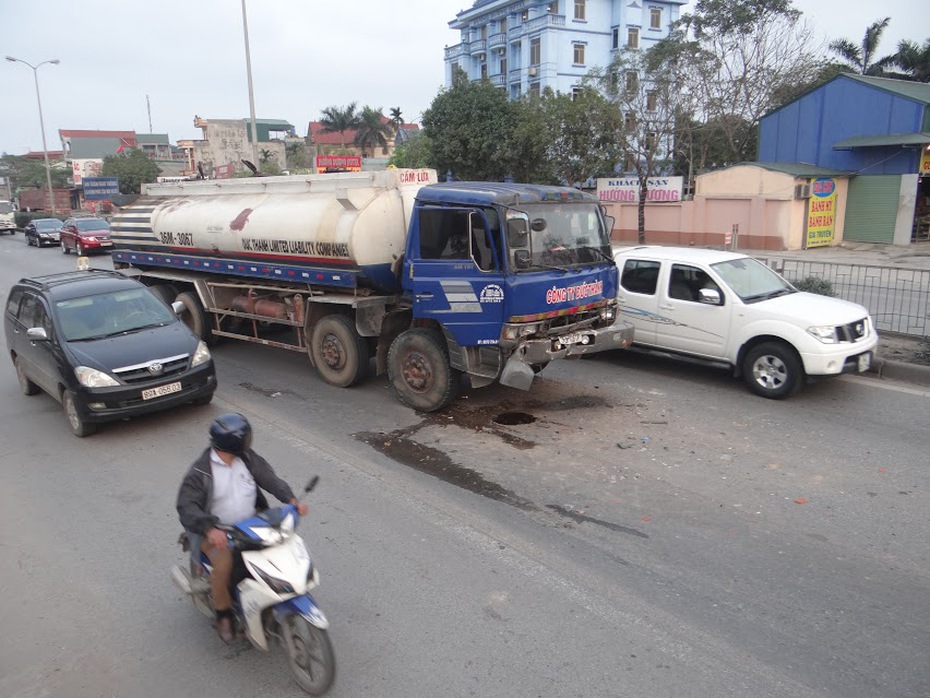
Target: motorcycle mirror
column 310, row 485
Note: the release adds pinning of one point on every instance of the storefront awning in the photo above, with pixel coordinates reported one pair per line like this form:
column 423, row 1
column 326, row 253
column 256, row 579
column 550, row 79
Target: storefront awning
column 905, row 140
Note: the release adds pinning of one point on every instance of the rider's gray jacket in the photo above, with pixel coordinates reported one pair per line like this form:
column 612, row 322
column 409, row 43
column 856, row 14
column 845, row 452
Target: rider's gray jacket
column 196, row 493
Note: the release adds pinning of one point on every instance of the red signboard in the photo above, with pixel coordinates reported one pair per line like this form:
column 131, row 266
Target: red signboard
column 338, row 163
column 223, row 171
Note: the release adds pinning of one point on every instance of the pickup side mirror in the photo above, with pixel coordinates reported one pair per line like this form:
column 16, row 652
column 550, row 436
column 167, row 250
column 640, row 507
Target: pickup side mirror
column 710, row 296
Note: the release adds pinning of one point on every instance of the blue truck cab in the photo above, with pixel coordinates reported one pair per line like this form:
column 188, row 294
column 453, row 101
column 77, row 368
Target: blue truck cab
column 514, row 276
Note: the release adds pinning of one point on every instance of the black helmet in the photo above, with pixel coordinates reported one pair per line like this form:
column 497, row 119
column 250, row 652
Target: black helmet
column 231, row 433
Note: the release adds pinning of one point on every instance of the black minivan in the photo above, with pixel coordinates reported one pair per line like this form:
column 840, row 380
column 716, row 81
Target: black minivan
column 104, row 346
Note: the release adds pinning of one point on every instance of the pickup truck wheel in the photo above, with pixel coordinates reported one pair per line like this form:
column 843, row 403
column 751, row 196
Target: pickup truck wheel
column 419, row 370
column 195, row 317
column 773, row 370
column 338, row 352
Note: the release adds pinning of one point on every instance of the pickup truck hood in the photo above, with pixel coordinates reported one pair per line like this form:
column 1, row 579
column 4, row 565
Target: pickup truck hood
column 813, row 309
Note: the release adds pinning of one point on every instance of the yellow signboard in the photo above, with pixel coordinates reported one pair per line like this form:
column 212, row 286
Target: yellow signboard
column 925, row 160
column 821, row 212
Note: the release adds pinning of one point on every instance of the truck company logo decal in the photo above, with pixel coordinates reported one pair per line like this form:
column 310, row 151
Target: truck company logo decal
column 571, row 293
column 492, row 293
column 304, row 247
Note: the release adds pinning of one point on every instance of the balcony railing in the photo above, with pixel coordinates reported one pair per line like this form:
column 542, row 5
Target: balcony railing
column 453, row 52
column 497, row 40
column 479, row 46
column 545, row 21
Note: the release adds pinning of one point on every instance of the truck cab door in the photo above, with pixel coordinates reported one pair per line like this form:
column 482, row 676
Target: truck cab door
column 454, row 272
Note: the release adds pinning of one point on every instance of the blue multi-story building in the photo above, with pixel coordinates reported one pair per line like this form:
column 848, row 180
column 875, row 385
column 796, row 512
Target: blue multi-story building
column 524, row 46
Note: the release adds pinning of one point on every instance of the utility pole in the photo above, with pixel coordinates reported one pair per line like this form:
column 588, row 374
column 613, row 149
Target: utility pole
column 248, row 68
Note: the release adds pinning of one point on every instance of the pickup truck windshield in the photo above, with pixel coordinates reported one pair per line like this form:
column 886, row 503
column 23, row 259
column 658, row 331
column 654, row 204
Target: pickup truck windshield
column 565, row 235
column 751, row 280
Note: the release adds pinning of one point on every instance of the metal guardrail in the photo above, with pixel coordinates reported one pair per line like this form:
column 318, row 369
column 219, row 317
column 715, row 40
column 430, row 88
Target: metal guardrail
column 898, row 299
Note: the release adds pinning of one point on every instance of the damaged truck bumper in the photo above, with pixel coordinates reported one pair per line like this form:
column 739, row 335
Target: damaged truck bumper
column 518, row 371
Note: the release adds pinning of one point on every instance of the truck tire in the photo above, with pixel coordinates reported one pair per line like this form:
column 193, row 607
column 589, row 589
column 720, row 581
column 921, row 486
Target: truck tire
column 419, row 370
column 195, row 317
column 773, row 370
column 338, row 352
column 166, row 292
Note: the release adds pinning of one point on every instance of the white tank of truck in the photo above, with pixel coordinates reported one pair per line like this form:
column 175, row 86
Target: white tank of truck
column 351, row 220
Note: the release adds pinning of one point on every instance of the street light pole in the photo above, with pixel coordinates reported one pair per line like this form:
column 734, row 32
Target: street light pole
column 48, row 168
column 248, row 68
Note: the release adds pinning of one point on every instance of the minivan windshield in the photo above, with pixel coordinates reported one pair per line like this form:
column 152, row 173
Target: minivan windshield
column 564, row 235
column 109, row 314
column 751, row 280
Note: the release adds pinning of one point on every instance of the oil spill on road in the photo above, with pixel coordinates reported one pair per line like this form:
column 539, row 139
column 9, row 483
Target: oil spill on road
column 581, row 518
column 268, row 392
column 399, row 447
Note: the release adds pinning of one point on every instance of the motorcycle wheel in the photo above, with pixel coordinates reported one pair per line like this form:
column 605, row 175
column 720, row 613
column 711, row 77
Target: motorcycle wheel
column 310, row 655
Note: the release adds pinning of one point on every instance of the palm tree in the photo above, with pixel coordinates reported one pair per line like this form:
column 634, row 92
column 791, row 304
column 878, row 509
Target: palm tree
column 373, row 130
column 862, row 57
column 336, row 120
column 914, row 60
column 396, row 118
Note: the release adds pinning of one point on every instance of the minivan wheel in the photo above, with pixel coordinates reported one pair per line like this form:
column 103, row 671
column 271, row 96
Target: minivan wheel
column 79, row 426
column 26, row 385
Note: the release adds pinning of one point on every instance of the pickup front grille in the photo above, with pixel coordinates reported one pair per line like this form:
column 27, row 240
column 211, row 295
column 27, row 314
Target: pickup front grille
column 153, row 370
column 854, row 331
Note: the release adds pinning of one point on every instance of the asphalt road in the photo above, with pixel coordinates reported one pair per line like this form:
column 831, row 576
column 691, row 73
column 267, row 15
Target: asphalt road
column 631, row 526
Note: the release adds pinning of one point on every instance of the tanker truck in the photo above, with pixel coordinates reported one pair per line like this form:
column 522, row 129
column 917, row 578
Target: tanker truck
column 425, row 280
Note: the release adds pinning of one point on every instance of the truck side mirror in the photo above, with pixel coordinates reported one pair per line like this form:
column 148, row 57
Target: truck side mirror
column 521, row 259
column 516, row 233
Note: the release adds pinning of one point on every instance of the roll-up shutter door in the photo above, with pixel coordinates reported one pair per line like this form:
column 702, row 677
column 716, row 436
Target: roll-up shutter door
column 872, row 208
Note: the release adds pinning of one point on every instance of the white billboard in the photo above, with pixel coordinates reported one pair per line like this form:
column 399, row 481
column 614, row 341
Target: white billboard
column 625, row 190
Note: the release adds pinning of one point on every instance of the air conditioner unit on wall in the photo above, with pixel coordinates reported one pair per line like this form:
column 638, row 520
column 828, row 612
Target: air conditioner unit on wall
column 802, row 191
column 501, row 51
column 532, row 71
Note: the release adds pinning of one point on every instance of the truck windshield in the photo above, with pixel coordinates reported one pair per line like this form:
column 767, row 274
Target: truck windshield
column 565, row 235
column 751, row 280
column 6, row 207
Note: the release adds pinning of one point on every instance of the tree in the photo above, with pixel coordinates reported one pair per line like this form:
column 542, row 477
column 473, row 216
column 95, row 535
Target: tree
column 651, row 101
column 132, row 169
column 417, row 151
column 862, row 57
column 396, row 117
column 296, row 157
column 737, row 58
column 24, row 172
column 336, row 120
column 372, row 130
column 914, row 60
column 470, row 125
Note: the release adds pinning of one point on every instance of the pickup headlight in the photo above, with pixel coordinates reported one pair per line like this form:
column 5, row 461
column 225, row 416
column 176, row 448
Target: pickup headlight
column 202, row 355
column 92, row 378
column 824, row 333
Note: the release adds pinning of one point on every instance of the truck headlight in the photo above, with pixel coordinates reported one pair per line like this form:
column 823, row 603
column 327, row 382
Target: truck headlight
column 92, row 378
column 202, row 355
column 824, row 333
column 609, row 313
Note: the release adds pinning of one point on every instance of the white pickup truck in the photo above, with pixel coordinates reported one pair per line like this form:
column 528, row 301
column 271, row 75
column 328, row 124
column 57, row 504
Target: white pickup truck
column 728, row 307
column 7, row 217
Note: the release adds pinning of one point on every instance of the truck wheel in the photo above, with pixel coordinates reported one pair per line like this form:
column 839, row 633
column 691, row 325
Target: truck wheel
column 419, row 370
column 166, row 292
column 338, row 352
column 195, row 317
column 773, row 370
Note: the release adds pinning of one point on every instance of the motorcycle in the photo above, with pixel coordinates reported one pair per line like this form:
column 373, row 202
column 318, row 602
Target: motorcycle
column 273, row 601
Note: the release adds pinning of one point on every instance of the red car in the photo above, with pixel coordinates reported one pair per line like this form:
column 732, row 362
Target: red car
column 85, row 235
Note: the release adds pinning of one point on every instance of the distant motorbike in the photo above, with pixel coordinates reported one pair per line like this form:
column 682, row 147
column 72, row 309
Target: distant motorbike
column 273, row 600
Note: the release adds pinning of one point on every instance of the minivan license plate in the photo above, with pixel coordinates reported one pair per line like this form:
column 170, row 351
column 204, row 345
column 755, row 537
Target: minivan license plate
column 161, row 390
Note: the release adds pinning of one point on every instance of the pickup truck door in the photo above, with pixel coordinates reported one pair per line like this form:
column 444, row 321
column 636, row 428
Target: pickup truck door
column 688, row 325
column 455, row 274
column 637, row 297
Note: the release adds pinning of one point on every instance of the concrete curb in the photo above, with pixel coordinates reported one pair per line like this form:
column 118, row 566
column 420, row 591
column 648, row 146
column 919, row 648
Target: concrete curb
column 901, row 371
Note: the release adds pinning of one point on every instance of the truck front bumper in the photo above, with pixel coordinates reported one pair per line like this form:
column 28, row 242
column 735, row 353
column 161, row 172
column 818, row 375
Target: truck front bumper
column 518, row 371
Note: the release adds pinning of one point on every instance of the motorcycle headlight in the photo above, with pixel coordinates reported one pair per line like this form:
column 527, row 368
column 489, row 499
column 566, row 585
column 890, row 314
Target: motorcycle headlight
column 92, row 378
column 202, row 354
column 823, row 333
column 279, row 586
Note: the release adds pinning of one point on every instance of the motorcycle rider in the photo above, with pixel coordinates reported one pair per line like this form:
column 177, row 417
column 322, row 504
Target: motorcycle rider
column 224, row 486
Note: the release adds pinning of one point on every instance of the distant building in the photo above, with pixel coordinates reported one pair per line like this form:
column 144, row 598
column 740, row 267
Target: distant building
column 524, row 46
column 322, row 142
column 227, row 142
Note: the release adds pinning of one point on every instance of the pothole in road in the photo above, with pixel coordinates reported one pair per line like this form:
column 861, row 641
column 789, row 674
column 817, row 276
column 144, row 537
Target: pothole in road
column 509, row 419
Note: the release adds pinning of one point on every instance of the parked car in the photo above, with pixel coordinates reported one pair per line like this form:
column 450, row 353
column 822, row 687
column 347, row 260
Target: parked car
column 85, row 235
column 104, row 346
column 730, row 308
column 43, row 231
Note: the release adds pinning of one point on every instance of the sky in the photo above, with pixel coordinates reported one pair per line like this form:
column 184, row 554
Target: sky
column 153, row 67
